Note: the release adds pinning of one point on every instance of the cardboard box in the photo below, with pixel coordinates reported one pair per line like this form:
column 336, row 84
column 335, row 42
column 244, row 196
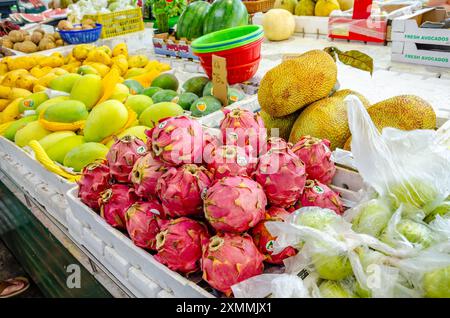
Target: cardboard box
column 167, row 45
column 414, row 44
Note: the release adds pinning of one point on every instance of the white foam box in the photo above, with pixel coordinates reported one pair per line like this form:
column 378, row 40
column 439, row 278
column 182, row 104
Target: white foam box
column 303, row 24
column 407, row 35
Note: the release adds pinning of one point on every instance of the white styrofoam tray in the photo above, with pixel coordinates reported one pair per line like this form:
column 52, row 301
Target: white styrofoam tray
column 101, row 239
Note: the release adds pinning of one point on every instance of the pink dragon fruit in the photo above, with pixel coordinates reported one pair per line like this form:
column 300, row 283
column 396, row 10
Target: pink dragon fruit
column 180, row 190
column 94, row 180
column 180, row 244
column 114, row 203
column 143, row 222
column 229, row 259
column 264, row 240
column 282, row 176
column 318, row 194
column 277, row 142
column 145, row 174
column 122, row 156
column 316, row 155
column 230, row 160
column 234, row 204
column 243, row 128
column 177, row 140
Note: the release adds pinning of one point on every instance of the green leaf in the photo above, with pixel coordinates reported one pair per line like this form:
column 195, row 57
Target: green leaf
column 356, row 59
column 331, row 51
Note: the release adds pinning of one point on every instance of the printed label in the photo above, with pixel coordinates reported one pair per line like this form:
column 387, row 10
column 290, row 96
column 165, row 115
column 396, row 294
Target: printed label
column 234, row 98
column 201, row 107
column 141, row 150
column 28, row 103
column 162, row 124
column 154, row 211
column 241, row 161
column 269, row 245
column 318, row 190
column 203, row 194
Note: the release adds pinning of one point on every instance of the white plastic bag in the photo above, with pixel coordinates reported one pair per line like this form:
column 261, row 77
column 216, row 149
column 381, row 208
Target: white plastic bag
column 409, row 167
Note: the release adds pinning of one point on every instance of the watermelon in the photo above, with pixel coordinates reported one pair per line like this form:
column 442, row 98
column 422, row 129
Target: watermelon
column 225, row 14
column 190, row 24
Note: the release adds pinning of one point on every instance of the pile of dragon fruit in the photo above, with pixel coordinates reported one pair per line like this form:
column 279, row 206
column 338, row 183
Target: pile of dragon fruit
column 199, row 202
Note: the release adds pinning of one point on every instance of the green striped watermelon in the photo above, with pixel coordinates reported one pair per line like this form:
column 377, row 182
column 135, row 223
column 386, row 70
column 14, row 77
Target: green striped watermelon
column 190, row 24
column 225, row 14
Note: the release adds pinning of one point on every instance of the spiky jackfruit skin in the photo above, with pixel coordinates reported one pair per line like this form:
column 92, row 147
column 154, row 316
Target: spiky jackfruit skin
column 283, row 124
column 324, row 119
column 297, row 82
column 406, row 112
column 345, row 92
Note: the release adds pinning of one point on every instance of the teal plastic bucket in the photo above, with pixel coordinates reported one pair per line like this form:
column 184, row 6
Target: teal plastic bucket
column 227, row 39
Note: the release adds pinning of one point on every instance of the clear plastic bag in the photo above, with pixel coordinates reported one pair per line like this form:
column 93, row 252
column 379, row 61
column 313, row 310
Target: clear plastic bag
column 409, row 167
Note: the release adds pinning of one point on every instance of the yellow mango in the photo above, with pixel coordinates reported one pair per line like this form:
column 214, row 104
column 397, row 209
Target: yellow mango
column 135, row 71
column 11, row 112
column 52, row 61
column 38, row 88
column 99, row 56
column 32, row 131
column 18, row 93
column 3, row 103
column 26, row 81
column 12, row 76
column 3, row 69
column 72, row 67
column 137, row 61
column 88, row 89
column 106, row 49
column 120, row 49
column 81, row 51
column 37, row 71
column 102, row 69
column 46, row 79
column 121, row 62
column 120, row 93
column 21, row 62
column 5, row 91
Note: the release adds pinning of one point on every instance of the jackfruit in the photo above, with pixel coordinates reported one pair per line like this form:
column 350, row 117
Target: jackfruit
column 297, row 82
column 345, row 92
column 325, row 7
column 324, row 119
column 305, row 7
column 283, row 124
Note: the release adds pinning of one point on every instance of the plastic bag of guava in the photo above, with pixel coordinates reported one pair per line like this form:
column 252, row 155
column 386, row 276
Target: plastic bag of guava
column 271, row 285
column 408, row 167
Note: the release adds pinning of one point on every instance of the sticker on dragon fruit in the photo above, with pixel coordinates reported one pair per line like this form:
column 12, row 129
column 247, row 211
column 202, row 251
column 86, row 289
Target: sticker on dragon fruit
column 242, row 161
column 141, row 150
column 318, row 190
column 162, row 124
column 155, row 211
column 269, row 245
column 203, row 194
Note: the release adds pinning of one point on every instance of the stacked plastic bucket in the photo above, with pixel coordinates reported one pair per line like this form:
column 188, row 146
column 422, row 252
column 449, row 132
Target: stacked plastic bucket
column 241, row 46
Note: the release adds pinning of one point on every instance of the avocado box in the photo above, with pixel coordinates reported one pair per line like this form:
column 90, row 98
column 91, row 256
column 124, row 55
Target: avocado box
column 167, row 45
column 422, row 38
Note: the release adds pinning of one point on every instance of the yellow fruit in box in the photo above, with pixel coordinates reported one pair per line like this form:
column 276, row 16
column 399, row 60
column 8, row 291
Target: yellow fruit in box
column 50, row 140
column 32, row 101
column 45, row 70
column 72, row 67
column 137, row 61
column 325, row 7
column 305, row 8
column 81, row 156
column 58, row 55
column 52, row 61
column 38, row 88
column 120, row 49
column 12, row 76
column 3, row 69
column 32, row 131
column 120, row 92
column 87, row 69
column 106, row 49
column 152, row 65
column 102, row 69
column 46, row 79
column 11, row 112
column 132, row 72
column 121, row 62
column 18, row 93
column 69, row 111
column 57, row 152
column 137, row 131
column 3, row 103
column 22, row 62
column 70, row 59
column 105, row 119
column 88, row 89
column 5, row 91
column 80, row 52
column 49, row 102
column 37, row 71
column 99, row 56
column 64, row 82
column 58, row 71
column 26, row 81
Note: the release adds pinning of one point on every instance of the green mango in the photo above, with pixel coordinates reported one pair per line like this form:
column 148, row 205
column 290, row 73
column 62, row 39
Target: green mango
column 138, row 103
column 32, row 131
column 81, row 156
column 153, row 114
column 53, row 138
column 195, row 85
column 150, row 91
column 65, row 82
column 49, row 102
column 88, row 89
column 32, row 101
column 186, row 100
column 68, row 111
column 10, row 132
column 57, row 152
column 105, row 119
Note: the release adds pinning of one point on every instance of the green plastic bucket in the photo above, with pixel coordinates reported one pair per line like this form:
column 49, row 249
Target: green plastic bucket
column 227, row 39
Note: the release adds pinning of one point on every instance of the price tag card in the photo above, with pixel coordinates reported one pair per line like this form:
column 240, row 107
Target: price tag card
column 219, row 78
